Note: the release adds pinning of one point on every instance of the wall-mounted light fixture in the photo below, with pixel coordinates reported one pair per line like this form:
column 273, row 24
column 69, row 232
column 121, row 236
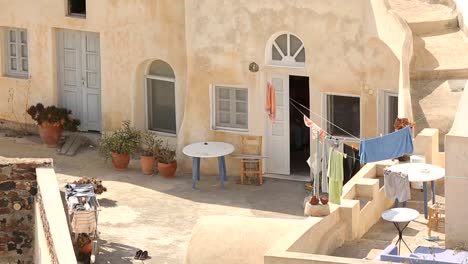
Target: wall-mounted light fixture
column 253, row 67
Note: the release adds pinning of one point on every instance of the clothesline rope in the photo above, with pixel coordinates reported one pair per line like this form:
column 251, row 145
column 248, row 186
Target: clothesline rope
column 321, row 143
column 294, row 101
column 331, row 123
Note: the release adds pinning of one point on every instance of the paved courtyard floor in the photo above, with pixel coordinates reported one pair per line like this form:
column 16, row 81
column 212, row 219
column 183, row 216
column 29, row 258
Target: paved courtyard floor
column 156, row 214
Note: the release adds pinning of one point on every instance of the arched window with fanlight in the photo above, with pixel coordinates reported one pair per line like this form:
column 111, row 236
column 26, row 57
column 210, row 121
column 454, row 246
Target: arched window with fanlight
column 160, row 98
column 287, row 50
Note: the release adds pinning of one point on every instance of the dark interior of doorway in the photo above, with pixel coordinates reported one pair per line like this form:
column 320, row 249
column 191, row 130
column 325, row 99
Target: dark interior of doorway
column 299, row 133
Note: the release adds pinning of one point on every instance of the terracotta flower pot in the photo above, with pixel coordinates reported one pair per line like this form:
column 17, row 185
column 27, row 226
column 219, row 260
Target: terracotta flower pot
column 120, row 161
column 86, row 249
column 147, row 164
column 324, row 200
column 167, row 170
column 50, row 133
column 314, row 200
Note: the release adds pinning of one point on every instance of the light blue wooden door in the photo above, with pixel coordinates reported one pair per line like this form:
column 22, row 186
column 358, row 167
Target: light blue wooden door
column 91, row 74
column 79, row 76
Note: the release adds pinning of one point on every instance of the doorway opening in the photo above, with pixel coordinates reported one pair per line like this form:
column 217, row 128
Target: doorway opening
column 299, row 133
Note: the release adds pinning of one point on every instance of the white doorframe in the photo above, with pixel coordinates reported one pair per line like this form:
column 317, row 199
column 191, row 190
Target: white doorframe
column 383, row 110
column 267, row 77
column 277, row 133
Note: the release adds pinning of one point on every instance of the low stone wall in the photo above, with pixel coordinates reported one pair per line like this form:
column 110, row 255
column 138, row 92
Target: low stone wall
column 18, row 188
column 54, row 245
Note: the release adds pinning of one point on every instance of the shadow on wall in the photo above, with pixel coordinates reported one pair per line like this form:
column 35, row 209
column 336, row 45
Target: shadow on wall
column 425, row 89
column 422, row 57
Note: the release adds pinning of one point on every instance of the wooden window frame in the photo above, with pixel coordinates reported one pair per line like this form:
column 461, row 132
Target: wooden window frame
column 76, row 15
column 214, row 107
column 325, row 111
column 19, row 72
column 147, row 111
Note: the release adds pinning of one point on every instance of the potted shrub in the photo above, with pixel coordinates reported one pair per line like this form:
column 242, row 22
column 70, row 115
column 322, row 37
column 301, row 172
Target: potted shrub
column 167, row 165
column 149, row 144
column 51, row 121
column 120, row 144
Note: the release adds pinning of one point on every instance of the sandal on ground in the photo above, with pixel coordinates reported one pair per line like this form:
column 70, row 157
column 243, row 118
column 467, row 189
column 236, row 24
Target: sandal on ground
column 138, row 254
column 144, row 255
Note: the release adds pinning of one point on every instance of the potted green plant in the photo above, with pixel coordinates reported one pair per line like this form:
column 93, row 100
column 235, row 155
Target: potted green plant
column 51, row 121
column 167, row 165
column 120, row 144
column 149, row 144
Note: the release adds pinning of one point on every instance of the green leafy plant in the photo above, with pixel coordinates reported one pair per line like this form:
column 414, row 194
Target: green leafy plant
column 165, row 153
column 149, row 144
column 125, row 140
column 53, row 115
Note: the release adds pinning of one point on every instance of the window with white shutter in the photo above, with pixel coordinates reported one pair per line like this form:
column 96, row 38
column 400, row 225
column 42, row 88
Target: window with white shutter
column 16, row 52
column 231, row 108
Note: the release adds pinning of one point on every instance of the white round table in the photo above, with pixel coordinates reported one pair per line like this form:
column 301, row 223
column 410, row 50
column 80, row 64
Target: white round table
column 208, row 150
column 421, row 172
column 397, row 216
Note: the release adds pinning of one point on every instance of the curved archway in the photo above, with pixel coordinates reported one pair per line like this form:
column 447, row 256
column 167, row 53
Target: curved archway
column 286, row 49
column 160, row 98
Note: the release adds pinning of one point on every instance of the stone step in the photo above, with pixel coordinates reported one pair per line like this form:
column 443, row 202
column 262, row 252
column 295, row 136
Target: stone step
column 435, row 103
column 420, row 11
column 434, row 26
column 441, row 57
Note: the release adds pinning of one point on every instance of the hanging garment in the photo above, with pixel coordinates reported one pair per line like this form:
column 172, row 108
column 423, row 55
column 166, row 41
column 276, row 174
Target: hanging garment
column 271, row 102
column 397, row 186
column 314, row 128
column 357, row 161
column 327, row 144
column 348, row 163
column 335, row 172
column 390, row 146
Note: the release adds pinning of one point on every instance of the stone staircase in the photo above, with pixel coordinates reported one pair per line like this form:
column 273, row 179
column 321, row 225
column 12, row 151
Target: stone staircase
column 439, row 67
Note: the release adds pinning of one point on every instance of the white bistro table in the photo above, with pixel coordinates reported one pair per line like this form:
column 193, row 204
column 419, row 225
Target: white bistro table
column 400, row 216
column 421, row 172
column 208, row 150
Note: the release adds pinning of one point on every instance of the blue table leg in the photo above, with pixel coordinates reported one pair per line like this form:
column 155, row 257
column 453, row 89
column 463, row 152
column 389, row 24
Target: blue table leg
column 198, row 168
column 425, row 199
column 222, row 171
column 433, row 191
column 195, row 172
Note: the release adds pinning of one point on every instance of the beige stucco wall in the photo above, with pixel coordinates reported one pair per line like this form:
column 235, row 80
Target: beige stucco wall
column 395, row 32
column 131, row 33
column 341, row 58
column 346, row 53
column 456, row 179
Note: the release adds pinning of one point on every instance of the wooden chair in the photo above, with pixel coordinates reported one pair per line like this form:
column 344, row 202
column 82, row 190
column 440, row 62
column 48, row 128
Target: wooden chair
column 251, row 159
column 436, row 215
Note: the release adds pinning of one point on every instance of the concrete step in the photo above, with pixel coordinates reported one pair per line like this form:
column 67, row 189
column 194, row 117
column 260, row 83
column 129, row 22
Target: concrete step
column 441, row 57
column 435, row 103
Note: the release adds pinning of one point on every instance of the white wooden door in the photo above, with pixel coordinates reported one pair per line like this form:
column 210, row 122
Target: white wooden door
column 79, row 76
column 277, row 145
